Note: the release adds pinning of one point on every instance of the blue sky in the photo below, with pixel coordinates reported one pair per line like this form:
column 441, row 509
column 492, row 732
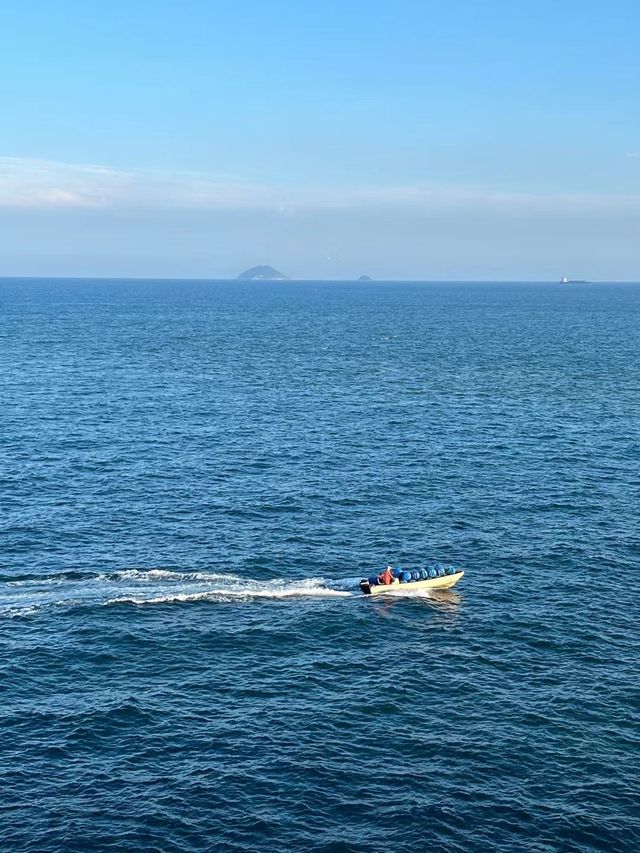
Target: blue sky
column 406, row 139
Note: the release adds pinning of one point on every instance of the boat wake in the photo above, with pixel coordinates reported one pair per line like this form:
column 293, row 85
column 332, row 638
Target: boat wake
column 29, row 594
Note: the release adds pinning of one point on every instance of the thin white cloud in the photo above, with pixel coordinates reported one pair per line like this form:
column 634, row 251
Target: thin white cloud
column 30, row 183
column 33, row 183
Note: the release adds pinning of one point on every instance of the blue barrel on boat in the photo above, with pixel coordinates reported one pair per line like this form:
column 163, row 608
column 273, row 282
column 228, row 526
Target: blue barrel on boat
column 439, row 569
column 373, row 581
column 424, row 574
column 451, row 570
column 406, row 577
column 415, row 574
column 397, row 573
column 432, row 572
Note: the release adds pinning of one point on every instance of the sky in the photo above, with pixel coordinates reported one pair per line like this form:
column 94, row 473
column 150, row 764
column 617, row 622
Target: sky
column 403, row 140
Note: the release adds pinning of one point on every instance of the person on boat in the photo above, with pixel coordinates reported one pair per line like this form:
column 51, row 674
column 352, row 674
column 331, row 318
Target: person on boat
column 386, row 577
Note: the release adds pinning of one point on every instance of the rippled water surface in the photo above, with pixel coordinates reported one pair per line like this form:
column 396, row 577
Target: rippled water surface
column 194, row 476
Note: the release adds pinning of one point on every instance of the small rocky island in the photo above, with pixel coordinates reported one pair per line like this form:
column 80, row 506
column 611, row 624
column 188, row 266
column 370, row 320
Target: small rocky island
column 262, row 273
column 365, row 278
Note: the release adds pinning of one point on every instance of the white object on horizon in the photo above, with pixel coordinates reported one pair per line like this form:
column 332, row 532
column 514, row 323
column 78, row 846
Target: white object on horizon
column 564, row 280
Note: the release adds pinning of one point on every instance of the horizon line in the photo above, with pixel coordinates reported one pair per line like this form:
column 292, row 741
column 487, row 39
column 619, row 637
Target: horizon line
column 292, row 280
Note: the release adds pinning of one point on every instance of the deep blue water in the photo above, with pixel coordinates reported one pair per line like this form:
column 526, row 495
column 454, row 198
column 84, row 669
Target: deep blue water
column 194, row 475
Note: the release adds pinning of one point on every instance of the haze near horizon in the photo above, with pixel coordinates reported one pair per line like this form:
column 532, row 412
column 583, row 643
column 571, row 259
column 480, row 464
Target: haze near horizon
column 404, row 142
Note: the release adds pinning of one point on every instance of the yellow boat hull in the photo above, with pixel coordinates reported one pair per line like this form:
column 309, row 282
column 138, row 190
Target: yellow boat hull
column 397, row 588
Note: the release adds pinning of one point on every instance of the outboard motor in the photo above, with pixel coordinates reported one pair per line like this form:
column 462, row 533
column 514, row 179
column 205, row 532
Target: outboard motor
column 365, row 587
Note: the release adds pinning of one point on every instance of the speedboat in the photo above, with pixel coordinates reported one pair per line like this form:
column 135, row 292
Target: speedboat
column 405, row 583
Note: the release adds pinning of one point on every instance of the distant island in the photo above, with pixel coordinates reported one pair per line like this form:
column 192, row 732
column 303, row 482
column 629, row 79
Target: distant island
column 365, row 278
column 262, row 273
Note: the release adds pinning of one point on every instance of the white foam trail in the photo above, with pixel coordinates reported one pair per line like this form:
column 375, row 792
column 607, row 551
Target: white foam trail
column 155, row 586
column 166, row 574
column 233, row 595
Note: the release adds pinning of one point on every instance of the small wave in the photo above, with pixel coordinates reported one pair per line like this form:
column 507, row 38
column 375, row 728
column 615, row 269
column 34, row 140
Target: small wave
column 17, row 612
column 60, row 577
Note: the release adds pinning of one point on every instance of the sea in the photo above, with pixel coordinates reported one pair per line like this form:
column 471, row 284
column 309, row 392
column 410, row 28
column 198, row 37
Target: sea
column 195, row 475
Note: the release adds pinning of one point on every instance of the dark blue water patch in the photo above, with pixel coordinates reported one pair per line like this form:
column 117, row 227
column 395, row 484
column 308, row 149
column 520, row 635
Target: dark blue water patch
column 193, row 478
